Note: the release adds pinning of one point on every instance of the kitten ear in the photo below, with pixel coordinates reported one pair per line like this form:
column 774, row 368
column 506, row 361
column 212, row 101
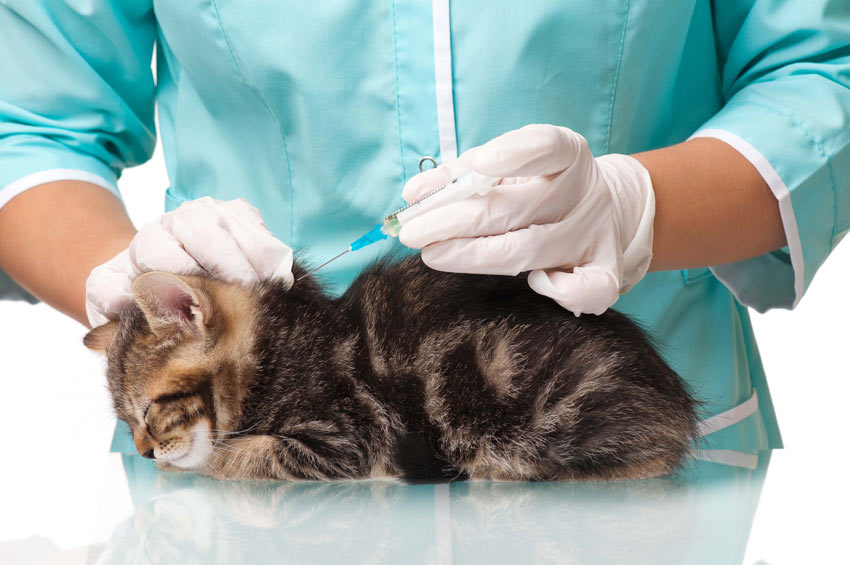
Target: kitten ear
column 171, row 304
column 99, row 338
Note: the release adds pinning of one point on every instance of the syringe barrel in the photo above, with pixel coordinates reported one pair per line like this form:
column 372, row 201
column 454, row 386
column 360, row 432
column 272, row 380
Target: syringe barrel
column 391, row 226
column 464, row 187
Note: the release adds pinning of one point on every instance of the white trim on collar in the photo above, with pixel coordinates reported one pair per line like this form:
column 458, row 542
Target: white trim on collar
column 443, row 81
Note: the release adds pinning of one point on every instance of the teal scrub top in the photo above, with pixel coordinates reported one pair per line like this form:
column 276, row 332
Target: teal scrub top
column 318, row 112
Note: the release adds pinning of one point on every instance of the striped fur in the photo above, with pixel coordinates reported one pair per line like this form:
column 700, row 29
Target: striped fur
column 412, row 373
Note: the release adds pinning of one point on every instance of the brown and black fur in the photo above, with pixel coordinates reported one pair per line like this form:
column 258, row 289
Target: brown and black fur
column 412, row 373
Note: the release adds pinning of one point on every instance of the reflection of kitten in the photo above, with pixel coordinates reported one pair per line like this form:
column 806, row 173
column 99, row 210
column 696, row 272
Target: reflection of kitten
column 188, row 519
column 411, row 373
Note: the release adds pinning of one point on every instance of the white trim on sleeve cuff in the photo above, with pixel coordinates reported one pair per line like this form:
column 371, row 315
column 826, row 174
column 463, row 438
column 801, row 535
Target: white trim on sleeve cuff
column 15, row 188
column 779, row 190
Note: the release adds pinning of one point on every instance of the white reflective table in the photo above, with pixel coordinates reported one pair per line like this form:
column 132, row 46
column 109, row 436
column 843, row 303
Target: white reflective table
column 65, row 499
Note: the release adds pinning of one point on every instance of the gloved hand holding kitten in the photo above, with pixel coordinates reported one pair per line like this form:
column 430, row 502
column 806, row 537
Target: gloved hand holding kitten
column 225, row 239
column 582, row 226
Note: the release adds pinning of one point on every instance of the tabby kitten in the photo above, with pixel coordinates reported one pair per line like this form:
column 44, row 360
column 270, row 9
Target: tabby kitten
column 412, row 373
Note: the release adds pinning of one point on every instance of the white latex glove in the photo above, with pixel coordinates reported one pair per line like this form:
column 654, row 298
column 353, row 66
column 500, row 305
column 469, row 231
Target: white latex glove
column 581, row 225
column 227, row 240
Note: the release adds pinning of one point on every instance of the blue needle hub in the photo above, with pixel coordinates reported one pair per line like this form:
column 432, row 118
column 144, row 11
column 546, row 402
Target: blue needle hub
column 372, row 236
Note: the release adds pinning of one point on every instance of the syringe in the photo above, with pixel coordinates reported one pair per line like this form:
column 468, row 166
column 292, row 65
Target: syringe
column 455, row 191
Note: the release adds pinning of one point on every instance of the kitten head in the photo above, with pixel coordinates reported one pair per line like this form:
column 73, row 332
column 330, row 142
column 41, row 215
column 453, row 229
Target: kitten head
column 179, row 360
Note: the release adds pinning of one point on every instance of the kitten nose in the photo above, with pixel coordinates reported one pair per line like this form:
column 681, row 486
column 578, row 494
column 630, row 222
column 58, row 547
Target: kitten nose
column 148, row 454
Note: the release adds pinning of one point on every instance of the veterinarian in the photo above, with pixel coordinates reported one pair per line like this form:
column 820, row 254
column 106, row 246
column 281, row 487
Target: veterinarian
column 696, row 160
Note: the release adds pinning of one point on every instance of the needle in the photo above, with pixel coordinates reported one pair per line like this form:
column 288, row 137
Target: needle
column 468, row 185
column 314, row 269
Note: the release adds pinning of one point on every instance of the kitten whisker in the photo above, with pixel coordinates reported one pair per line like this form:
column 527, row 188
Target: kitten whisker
column 238, row 450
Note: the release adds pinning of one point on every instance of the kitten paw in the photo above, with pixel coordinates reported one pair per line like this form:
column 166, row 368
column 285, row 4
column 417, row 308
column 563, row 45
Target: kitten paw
column 166, row 466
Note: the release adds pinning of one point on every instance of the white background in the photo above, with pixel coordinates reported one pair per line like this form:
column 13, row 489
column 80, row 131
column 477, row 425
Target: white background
column 51, row 386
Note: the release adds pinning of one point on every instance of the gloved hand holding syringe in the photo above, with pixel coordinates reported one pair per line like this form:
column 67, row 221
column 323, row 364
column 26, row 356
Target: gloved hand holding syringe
column 470, row 184
column 579, row 225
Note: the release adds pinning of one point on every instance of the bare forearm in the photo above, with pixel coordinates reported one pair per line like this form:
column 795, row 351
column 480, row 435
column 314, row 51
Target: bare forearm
column 712, row 206
column 53, row 235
